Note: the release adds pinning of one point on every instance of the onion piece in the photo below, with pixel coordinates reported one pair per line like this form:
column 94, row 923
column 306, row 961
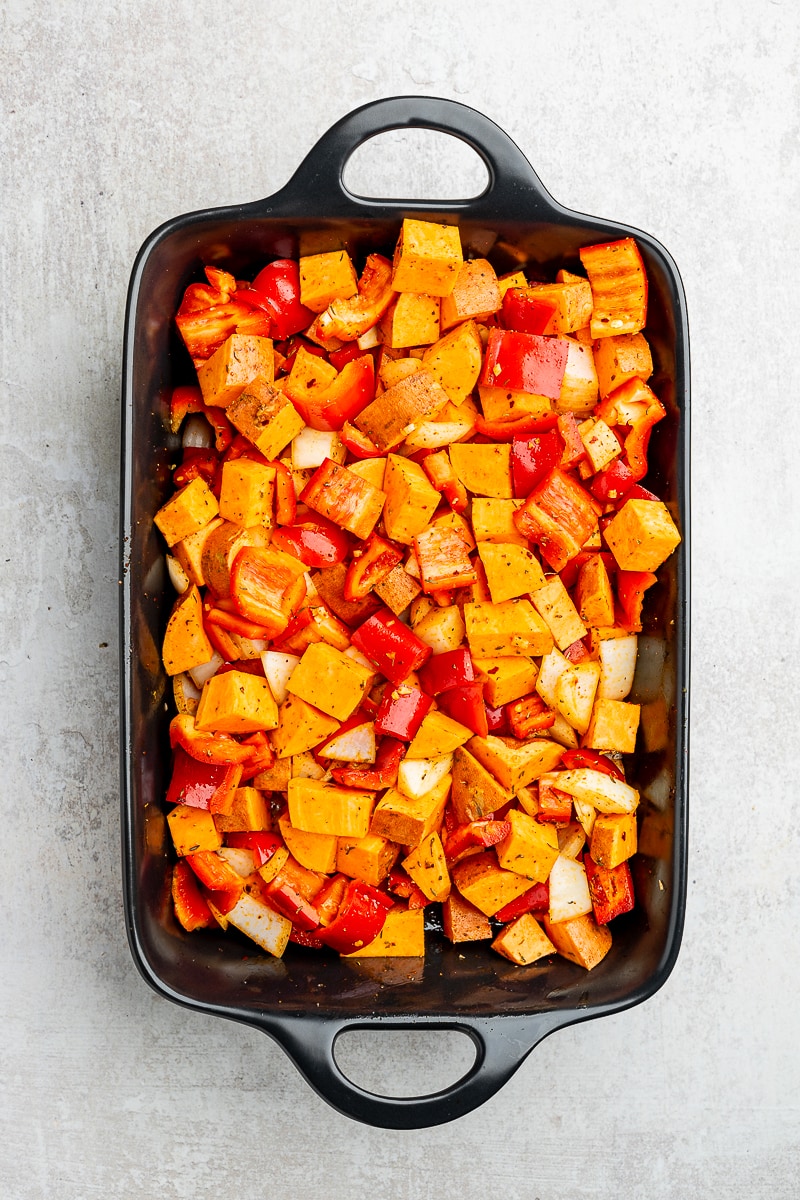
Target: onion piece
column 206, row 670
column 197, row 433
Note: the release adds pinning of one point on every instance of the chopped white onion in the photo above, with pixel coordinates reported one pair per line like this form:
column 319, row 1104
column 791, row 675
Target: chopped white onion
column 177, row 576
column 206, row 670
column 197, row 433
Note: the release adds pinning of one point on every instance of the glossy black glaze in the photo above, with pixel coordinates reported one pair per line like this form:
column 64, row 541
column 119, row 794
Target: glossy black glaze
column 305, row 1000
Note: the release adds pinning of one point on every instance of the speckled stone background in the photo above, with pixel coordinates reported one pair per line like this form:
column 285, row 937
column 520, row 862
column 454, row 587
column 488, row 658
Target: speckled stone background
column 680, row 118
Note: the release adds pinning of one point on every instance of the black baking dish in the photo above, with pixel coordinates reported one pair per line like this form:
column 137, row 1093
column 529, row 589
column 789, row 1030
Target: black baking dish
column 305, row 1000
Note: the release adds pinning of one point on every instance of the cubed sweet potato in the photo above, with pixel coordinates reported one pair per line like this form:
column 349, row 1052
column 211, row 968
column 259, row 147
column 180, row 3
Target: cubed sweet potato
column 427, row 258
column 240, row 360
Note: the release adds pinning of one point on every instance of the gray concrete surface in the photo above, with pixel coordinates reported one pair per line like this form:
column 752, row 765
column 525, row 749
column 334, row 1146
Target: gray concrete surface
column 680, row 118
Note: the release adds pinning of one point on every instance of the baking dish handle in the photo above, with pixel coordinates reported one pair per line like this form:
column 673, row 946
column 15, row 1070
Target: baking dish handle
column 502, row 1044
column 513, row 187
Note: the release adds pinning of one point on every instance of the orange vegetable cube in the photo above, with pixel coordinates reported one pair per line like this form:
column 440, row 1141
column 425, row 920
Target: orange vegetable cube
column 186, row 644
column 326, row 277
column 188, row 511
column 369, row 858
column 192, row 830
column 402, row 936
column 266, row 417
column 613, row 726
column 484, row 469
column 318, row 807
column 247, row 492
column 483, row 882
column 239, row 360
column 580, row 939
column 397, row 412
column 329, row 680
column 455, row 361
column 413, row 320
column 248, row 811
column 427, row 867
column 618, row 359
column 475, row 295
column 427, row 258
column 523, row 941
column 236, row 702
column 410, row 499
column 642, row 535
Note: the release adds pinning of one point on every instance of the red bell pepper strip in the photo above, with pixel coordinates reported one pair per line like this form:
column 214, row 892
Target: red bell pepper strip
column 261, row 844
column 465, row 704
column 317, row 543
column 285, row 900
column 394, row 648
column 279, row 284
column 191, row 908
column 357, row 443
column 262, row 755
column 184, row 399
column 593, row 759
column 351, row 318
column 196, row 462
column 223, row 430
column 613, row 482
column 401, row 712
column 526, row 312
column 519, row 427
column 214, row 871
column 328, row 899
column 555, row 806
column 206, row 747
column 631, row 587
column 452, row 669
column 195, row 783
column 285, row 495
column 340, row 358
column 536, row 899
column 370, row 564
column 402, row 885
column 532, row 458
column 574, row 450
column 440, row 472
column 344, row 398
column 637, row 492
column 529, row 715
column 215, row 614
column 611, row 890
column 525, row 362
column 382, row 774
column 359, row 920
column 474, row 836
column 210, row 313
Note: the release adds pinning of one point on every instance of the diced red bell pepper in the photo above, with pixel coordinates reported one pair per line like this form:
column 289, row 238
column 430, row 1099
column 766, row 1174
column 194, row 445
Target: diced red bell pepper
column 328, row 899
column 613, row 482
column 370, row 564
column 526, row 312
column 525, row 362
column 340, row 358
column 222, row 642
column 529, row 715
column 317, row 542
column 518, row 427
column 214, row 871
column 394, row 648
column 184, row 399
column 195, row 783
column 211, row 312
column 206, row 747
column 287, row 901
column 611, row 890
column 440, row 472
column 262, row 756
column 196, row 462
column 497, row 720
column 306, row 937
column 401, row 712
column 593, row 759
column 350, row 392
column 285, row 495
column 559, row 515
column 382, row 774
column 577, row 652
column 279, row 284
column 191, row 908
column 358, row 444
column 465, row 704
column 453, row 668
column 261, row 844
column 574, row 450
column 631, row 587
column 536, row 899
column 360, row 919
column 402, row 885
column 637, row 492
column 473, row 837
column 532, row 458
column 555, row 806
